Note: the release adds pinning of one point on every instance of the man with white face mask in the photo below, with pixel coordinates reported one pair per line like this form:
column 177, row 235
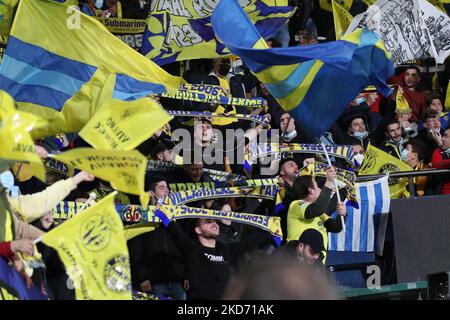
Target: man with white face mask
column 413, row 155
column 357, row 134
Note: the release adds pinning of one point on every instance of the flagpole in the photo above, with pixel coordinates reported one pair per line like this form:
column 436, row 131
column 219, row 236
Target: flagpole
column 335, row 185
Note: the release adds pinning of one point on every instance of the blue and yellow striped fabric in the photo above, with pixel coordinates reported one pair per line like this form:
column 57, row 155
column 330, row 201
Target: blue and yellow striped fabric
column 56, row 56
column 313, row 83
column 176, row 33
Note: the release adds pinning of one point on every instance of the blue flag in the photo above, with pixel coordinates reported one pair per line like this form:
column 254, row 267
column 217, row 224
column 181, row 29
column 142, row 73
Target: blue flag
column 313, row 83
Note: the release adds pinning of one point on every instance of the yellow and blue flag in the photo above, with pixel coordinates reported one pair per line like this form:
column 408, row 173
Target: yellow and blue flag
column 183, row 30
column 313, row 83
column 53, row 53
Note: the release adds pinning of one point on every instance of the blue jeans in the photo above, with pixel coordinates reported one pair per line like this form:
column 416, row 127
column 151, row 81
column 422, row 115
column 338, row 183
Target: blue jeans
column 174, row 290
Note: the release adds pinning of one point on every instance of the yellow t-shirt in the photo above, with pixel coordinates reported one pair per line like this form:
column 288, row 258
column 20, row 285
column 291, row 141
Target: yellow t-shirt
column 296, row 222
column 223, row 121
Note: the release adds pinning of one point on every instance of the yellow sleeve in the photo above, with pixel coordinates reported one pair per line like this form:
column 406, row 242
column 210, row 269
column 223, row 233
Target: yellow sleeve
column 36, row 205
column 295, row 216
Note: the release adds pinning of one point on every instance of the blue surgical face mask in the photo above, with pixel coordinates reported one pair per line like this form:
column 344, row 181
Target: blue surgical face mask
column 361, row 135
column 405, row 155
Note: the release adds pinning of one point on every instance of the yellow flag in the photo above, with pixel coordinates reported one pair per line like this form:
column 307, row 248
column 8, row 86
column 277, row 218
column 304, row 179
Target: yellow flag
column 435, row 81
column 6, row 15
column 93, row 249
column 328, row 6
column 447, row 97
column 124, row 125
column 438, row 4
column 125, row 170
column 15, row 140
column 402, row 106
column 369, row 2
column 138, row 229
column 377, row 161
column 342, row 19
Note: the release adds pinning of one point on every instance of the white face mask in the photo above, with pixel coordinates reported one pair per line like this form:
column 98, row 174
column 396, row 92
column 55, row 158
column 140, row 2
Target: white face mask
column 7, row 180
column 290, row 135
column 99, row 4
column 405, row 155
column 361, row 135
column 359, row 158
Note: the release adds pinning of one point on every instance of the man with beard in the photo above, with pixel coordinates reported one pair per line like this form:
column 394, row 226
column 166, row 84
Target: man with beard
column 394, row 143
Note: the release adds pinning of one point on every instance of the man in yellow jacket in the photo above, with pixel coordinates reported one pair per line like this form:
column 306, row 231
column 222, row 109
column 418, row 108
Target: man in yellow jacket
column 310, row 211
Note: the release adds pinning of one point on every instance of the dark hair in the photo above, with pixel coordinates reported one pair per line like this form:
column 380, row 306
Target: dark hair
column 348, row 121
column 218, row 204
column 412, row 66
column 76, row 194
column 301, row 186
column 429, row 114
column 389, row 122
column 158, row 148
column 283, row 161
column 433, row 97
column 417, row 147
column 275, row 43
column 152, row 180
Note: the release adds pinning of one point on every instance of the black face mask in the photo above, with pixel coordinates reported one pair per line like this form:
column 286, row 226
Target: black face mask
column 224, row 68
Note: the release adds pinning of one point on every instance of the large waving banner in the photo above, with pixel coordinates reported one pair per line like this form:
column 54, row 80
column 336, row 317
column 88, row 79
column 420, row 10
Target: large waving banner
column 180, row 30
column 129, row 31
column 410, row 29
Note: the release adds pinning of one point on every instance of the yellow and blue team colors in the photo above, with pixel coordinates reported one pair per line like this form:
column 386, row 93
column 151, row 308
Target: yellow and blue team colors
column 93, row 248
column 123, row 125
column 15, row 140
column 125, row 170
column 377, row 161
column 313, row 83
column 45, row 68
column 182, row 30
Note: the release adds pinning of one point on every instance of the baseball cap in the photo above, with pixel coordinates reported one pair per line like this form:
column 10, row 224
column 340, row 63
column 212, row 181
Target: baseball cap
column 313, row 238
